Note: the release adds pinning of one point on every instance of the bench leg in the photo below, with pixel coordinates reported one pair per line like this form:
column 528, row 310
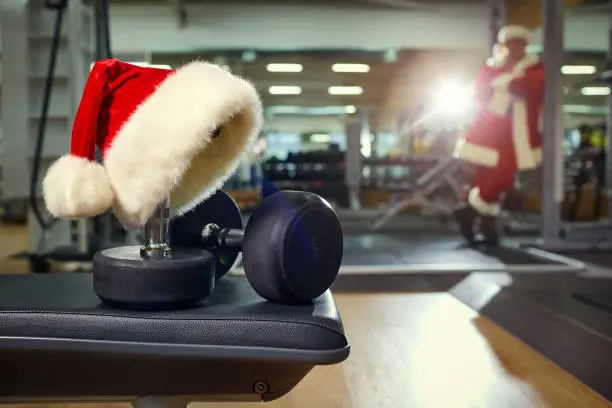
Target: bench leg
column 159, row 402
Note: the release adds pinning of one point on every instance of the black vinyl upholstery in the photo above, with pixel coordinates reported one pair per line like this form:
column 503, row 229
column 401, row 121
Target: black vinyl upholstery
column 53, row 322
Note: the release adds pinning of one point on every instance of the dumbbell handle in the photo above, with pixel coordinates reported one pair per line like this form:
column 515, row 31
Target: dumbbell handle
column 215, row 237
column 156, row 230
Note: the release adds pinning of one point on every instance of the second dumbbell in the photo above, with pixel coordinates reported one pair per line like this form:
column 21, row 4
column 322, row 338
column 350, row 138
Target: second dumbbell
column 291, row 247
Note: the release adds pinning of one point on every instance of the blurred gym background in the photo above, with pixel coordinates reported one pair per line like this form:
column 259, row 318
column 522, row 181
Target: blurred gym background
column 361, row 98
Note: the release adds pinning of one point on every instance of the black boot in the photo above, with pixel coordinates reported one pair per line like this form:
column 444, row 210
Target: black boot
column 488, row 228
column 466, row 216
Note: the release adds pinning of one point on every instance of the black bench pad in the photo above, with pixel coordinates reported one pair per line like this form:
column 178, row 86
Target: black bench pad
column 47, row 321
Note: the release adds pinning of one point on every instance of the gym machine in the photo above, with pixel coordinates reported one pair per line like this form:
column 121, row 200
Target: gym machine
column 443, row 176
column 558, row 236
column 321, row 172
column 106, row 230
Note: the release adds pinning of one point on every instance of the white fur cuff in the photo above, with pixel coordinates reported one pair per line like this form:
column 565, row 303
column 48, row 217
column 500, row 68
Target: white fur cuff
column 501, row 82
column 480, row 205
column 500, row 103
column 76, row 187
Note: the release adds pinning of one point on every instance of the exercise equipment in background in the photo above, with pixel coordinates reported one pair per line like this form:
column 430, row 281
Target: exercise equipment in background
column 104, row 231
column 322, row 172
column 292, row 250
column 436, row 192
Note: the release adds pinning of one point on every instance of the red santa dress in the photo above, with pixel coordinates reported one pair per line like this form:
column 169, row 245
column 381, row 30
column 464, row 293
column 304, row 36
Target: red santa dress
column 505, row 134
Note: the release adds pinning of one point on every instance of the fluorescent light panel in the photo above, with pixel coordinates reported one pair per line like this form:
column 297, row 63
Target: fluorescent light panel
column 285, row 90
column 312, row 110
column 585, row 109
column 320, row 138
column 284, row 67
column 345, row 90
column 595, row 91
column 351, row 68
column 578, row 69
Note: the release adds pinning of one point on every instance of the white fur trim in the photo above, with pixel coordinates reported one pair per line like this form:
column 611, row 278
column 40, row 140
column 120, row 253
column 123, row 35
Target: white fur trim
column 500, row 103
column 528, row 61
column 513, row 31
column 502, row 81
column 480, row 205
column 75, row 187
column 525, row 158
column 537, row 156
column 476, row 154
column 166, row 147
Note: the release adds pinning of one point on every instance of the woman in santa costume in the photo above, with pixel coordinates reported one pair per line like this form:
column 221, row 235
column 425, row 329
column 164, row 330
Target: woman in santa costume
column 162, row 133
column 505, row 135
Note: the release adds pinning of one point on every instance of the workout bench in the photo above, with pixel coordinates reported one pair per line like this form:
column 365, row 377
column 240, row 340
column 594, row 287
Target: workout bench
column 59, row 343
column 441, row 175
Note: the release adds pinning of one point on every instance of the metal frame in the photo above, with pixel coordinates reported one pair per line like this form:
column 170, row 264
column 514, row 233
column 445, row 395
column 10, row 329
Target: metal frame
column 555, row 234
column 426, row 185
column 552, row 182
column 354, row 128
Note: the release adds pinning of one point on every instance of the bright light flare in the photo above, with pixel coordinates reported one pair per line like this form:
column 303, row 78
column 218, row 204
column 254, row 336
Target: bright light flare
column 453, row 98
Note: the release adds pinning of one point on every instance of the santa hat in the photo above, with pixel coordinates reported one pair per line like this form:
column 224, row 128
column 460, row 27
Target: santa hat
column 513, row 32
column 161, row 132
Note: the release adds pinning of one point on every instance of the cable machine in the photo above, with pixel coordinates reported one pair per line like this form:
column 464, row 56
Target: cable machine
column 40, row 259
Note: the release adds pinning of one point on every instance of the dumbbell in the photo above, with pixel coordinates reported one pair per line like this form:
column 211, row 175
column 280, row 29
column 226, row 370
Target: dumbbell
column 291, row 249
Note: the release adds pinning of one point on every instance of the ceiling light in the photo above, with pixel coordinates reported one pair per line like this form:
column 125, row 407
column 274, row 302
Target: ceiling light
column 311, row 110
column 320, row 138
column 578, row 69
column 285, row 90
column 284, row 67
column 585, row 109
column 345, row 90
column 351, row 68
column 595, row 91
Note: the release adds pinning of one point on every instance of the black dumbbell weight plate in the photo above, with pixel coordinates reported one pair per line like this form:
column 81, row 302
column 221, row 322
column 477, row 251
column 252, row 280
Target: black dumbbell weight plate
column 126, row 279
column 293, row 247
column 219, row 209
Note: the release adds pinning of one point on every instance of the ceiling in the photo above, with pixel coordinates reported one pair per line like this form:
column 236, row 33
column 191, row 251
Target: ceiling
column 395, row 82
column 315, row 78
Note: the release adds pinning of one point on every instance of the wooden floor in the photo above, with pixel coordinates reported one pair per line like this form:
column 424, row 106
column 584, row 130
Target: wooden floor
column 419, row 350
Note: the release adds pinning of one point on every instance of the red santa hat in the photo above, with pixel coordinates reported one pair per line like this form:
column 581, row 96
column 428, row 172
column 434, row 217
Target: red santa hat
column 513, row 32
column 161, row 132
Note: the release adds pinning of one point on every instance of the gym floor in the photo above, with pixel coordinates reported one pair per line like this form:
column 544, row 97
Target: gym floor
column 411, row 350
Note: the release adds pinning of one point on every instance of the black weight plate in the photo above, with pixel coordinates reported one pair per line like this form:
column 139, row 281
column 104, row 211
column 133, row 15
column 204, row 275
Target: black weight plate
column 124, row 279
column 220, row 209
column 293, row 247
